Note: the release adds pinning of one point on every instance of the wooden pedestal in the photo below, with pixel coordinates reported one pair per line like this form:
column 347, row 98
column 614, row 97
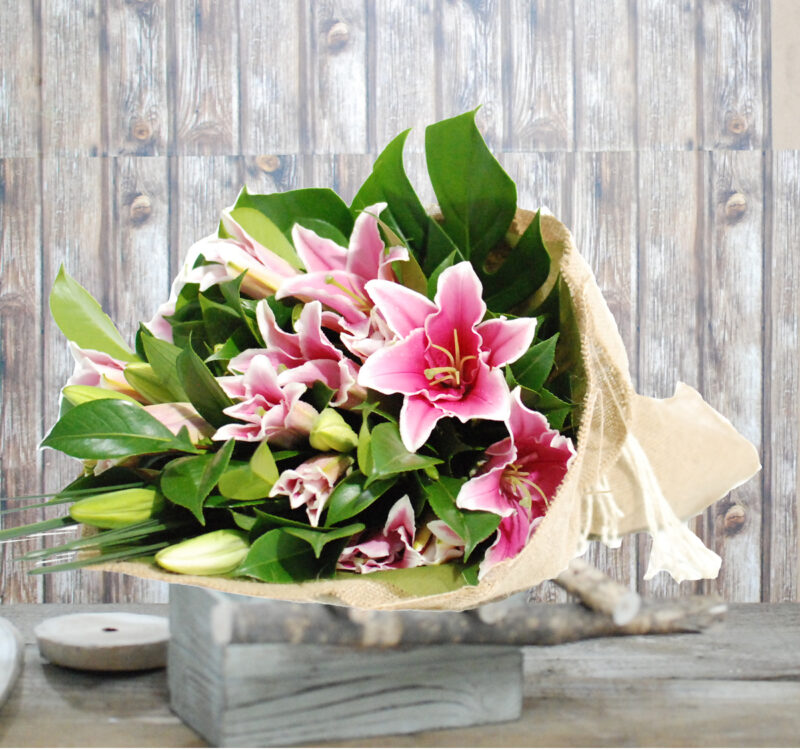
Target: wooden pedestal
column 232, row 683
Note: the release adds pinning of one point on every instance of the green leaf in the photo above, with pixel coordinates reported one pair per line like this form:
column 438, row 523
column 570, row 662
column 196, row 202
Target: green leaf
column 318, row 538
column 389, row 455
column 36, row 528
column 423, row 581
column 507, row 286
column 352, row 496
column 221, row 322
column 163, row 358
column 80, row 394
column 410, row 275
column 82, row 320
column 388, row 183
column 555, row 409
column 438, row 246
column 250, row 480
column 325, row 229
column 297, row 206
column 188, row 481
column 533, row 367
column 202, row 388
column 433, row 279
column 143, row 379
column 477, row 198
column 265, row 232
column 364, row 447
column 470, row 573
column 127, row 552
column 279, row 557
column 112, row 429
column 320, row 395
column 472, row 526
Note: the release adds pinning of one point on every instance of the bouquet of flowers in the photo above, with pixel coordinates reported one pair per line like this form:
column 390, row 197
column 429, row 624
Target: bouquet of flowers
column 377, row 405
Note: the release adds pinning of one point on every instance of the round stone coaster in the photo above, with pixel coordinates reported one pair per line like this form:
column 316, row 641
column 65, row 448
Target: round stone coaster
column 106, row 642
column 10, row 658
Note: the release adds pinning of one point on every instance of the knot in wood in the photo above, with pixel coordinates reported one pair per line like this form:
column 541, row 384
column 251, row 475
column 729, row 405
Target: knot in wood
column 736, row 124
column 734, row 519
column 141, row 130
column 338, row 36
column 141, row 209
column 268, row 162
column 735, row 207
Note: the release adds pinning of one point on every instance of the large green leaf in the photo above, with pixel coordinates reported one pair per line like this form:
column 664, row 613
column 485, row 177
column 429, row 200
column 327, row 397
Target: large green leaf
column 533, row 367
column 352, row 495
column 82, row 320
column 188, row 481
column 477, row 198
column 389, row 455
column 265, row 232
column 294, row 206
column 318, row 538
column 279, row 557
column 472, row 526
column 144, row 380
column 112, row 429
column 202, row 388
column 250, row 480
column 163, row 358
column 423, row 581
column 388, row 183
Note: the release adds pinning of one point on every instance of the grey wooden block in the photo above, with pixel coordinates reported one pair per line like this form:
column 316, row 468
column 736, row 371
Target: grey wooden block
column 264, row 694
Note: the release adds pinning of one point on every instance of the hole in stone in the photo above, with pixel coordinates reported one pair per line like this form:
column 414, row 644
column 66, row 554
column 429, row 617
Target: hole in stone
column 109, row 630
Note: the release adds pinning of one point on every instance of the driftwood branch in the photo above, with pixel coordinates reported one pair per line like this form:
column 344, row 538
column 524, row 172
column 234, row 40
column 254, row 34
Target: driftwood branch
column 599, row 592
column 526, row 625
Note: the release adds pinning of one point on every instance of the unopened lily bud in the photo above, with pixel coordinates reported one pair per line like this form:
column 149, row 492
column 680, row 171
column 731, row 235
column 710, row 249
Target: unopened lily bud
column 212, row 554
column 113, row 510
column 80, row 394
column 331, row 433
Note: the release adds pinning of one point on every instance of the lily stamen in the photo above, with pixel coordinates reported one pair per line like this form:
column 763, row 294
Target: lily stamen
column 362, row 302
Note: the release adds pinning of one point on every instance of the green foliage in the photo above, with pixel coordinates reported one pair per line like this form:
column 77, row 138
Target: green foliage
column 353, row 495
column 280, row 557
column 390, row 457
column 202, row 388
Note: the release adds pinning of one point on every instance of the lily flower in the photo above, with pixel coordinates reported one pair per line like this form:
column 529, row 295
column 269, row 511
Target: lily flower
column 337, row 276
column 268, row 410
column 307, row 356
column 390, row 549
column 520, row 477
column 311, row 483
column 101, row 371
column 447, row 362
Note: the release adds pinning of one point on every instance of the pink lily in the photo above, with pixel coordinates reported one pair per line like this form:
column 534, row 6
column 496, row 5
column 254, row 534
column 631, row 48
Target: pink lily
column 102, row 371
column 337, row 276
column 520, row 477
column 442, row 543
column 389, row 549
column 175, row 416
column 446, row 363
column 268, row 410
column 307, row 356
column 311, row 483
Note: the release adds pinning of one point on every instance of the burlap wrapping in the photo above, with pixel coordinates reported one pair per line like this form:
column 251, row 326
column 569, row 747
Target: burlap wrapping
column 695, row 453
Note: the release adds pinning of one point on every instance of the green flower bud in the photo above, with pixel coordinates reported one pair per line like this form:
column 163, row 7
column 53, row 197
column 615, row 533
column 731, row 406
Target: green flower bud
column 330, row 432
column 80, row 394
column 113, row 510
column 211, row 554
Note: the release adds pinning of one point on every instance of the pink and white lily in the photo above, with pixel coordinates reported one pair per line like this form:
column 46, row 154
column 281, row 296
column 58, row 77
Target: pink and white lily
column 519, row 479
column 311, row 483
column 100, row 370
column 307, row 356
column 267, row 410
column 337, row 276
column 447, row 362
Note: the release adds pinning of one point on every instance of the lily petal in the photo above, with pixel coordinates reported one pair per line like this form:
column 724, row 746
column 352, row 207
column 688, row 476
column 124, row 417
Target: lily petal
column 318, row 253
column 402, row 308
column 396, row 368
column 418, row 417
column 506, row 340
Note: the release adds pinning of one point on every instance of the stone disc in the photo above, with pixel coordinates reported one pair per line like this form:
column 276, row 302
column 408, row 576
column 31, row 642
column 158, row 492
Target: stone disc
column 10, row 658
column 104, row 641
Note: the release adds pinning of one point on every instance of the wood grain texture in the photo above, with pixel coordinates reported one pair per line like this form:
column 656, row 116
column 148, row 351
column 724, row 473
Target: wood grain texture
column 337, row 85
column 666, row 67
column 732, row 353
column 21, row 391
column 605, row 230
column 732, row 60
column 538, row 75
column 271, row 70
column 203, row 66
column 605, row 81
column 138, row 118
column 781, row 548
column 19, row 93
column 671, row 248
column 471, row 39
column 73, row 121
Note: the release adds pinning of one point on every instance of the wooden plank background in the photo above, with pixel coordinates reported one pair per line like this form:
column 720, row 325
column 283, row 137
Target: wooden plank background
column 646, row 125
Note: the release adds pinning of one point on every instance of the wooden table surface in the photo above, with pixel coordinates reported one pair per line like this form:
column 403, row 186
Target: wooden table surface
column 737, row 684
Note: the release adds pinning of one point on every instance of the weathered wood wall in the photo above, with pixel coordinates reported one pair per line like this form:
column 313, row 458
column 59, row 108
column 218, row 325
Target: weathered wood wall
column 125, row 126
